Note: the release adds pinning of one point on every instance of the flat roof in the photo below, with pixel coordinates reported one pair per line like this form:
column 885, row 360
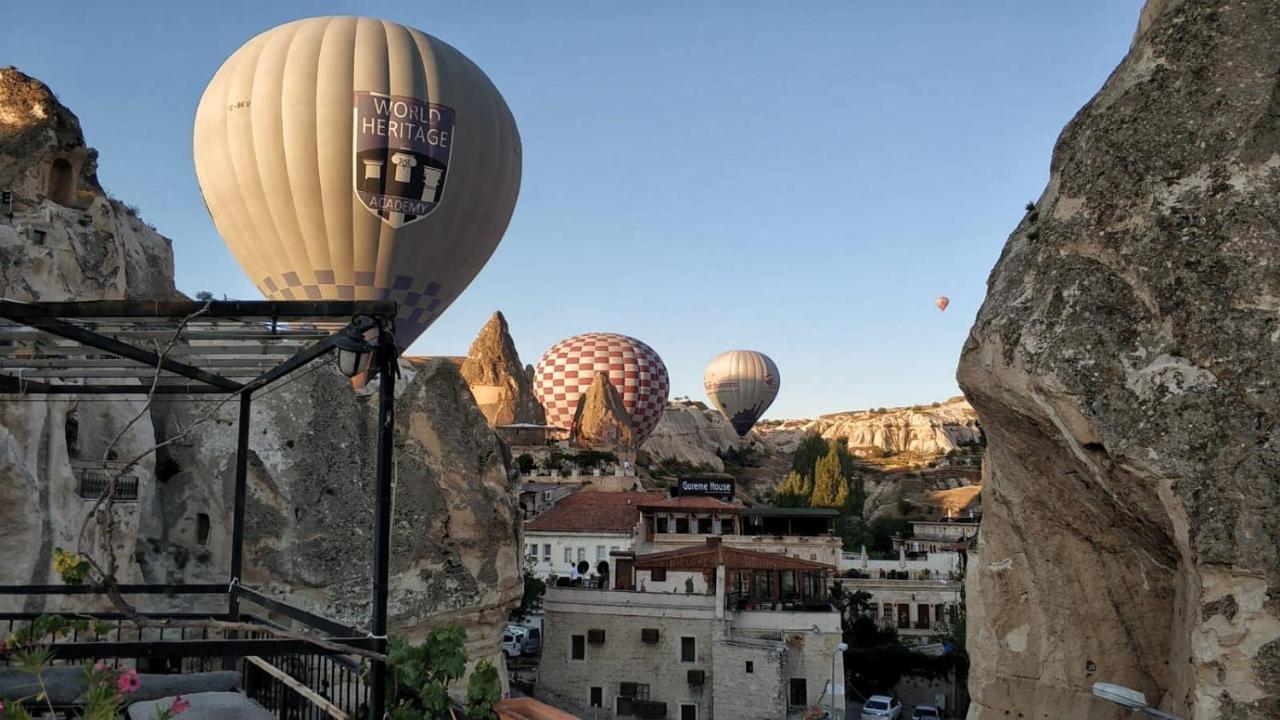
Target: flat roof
column 692, row 502
column 185, row 347
column 789, row 512
column 705, row 557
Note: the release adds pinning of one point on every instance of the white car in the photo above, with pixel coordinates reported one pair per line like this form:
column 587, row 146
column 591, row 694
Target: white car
column 879, row 707
column 926, row 712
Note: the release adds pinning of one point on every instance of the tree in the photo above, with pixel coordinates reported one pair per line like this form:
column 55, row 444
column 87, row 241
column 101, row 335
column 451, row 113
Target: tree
column 526, row 463
column 534, row 589
column 421, row 674
column 794, row 490
column 810, row 449
column 830, row 489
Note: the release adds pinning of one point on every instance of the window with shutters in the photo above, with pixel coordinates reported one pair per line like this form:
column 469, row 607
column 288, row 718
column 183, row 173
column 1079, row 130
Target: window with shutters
column 688, row 650
column 578, row 647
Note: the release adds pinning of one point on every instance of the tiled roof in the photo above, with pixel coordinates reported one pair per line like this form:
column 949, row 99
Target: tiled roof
column 692, row 502
column 706, row 557
column 601, row 512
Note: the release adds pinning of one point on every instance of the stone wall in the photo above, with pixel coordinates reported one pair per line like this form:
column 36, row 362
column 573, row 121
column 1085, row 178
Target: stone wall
column 756, row 695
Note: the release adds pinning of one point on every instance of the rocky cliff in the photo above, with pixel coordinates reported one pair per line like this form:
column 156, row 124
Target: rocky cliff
column 1122, row 367
column 601, row 420
column 455, row 537
column 67, row 239
column 691, row 432
column 926, row 430
column 455, row 546
column 497, row 379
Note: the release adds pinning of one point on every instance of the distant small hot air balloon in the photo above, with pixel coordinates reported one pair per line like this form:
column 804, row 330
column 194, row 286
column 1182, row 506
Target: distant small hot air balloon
column 942, row 302
column 349, row 158
column 741, row 384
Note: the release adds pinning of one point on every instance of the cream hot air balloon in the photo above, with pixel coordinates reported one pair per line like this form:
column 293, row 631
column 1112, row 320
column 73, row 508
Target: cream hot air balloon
column 942, row 301
column 741, row 384
column 351, row 158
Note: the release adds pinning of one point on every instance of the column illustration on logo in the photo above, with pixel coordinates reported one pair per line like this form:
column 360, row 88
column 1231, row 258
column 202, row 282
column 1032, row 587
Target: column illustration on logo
column 401, row 155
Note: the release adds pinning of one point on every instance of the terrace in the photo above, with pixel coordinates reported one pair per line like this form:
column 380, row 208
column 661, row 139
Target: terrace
column 296, row 664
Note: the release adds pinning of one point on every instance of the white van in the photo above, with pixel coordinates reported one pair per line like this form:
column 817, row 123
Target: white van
column 521, row 640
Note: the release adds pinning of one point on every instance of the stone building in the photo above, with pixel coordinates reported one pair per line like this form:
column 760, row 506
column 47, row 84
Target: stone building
column 918, row 592
column 735, row 634
column 690, row 519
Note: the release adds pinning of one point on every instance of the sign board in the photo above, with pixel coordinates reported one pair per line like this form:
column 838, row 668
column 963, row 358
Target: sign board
column 721, row 488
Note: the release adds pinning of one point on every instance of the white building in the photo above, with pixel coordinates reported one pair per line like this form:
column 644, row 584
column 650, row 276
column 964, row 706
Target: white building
column 917, row 592
column 719, row 633
column 585, row 526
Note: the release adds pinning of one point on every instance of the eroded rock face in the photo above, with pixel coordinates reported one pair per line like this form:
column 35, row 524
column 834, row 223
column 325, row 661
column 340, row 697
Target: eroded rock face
column 1122, row 367
column 691, row 432
column 928, row 430
column 499, row 382
column 601, row 420
column 455, row 545
column 455, row 539
column 67, row 241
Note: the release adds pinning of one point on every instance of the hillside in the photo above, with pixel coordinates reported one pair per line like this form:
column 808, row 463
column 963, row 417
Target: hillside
column 924, row 460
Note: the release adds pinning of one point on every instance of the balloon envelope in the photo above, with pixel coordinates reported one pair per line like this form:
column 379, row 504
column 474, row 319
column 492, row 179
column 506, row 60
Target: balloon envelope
column 347, row 158
column 566, row 370
column 942, row 302
column 742, row 384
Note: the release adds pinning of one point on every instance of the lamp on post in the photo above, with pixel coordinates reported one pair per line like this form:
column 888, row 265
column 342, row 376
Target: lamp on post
column 354, row 349
column 840, row 647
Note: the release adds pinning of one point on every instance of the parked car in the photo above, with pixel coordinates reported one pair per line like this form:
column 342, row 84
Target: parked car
column 926, row 712
column 521, row 640
column 879, row 707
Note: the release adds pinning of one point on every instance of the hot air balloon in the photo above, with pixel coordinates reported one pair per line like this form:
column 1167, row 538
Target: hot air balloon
column 742, row 384
column 942, row 301
column 566, row 370
column 347, row 158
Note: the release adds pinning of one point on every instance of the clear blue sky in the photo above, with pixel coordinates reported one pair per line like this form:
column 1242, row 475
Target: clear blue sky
column 798, row 178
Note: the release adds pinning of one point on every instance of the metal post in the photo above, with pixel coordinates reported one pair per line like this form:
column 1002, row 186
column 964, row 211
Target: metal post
column 382, row 523
column 237, row 528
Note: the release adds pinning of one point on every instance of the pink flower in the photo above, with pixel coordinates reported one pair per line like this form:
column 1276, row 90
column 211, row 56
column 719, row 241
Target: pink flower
column 99, row 666
column 128, row 682
column 180, row 705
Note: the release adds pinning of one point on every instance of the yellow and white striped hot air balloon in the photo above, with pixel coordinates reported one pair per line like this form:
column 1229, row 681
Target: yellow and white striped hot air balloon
column 742, row 384
column 351, row 158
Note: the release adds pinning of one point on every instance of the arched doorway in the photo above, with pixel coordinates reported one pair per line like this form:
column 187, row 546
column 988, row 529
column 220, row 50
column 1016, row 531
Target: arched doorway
column 61, row 182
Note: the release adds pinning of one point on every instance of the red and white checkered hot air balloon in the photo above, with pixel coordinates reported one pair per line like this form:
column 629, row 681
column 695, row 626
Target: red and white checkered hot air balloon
column 566, row 370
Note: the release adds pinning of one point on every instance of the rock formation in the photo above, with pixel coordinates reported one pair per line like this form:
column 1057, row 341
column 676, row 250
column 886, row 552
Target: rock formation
column 928, row 430
column 499, row 382
column 67, row 240
column 691, row 432
column 455, row 545
column 601, row 421
column 1123, row 370
column 455, row 538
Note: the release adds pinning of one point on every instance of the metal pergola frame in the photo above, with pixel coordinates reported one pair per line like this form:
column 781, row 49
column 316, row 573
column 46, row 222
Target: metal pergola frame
column 217, row 348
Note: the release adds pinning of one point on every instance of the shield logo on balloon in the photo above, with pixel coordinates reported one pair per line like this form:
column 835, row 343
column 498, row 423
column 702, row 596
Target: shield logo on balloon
column 401, row 153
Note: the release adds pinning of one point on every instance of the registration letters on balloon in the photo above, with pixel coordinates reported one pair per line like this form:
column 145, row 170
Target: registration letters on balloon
column 402, row 148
